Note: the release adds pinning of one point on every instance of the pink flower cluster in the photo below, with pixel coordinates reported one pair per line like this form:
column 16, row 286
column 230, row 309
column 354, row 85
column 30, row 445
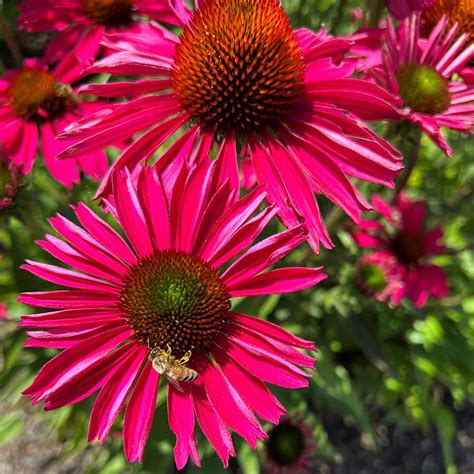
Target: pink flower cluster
column 239, row 99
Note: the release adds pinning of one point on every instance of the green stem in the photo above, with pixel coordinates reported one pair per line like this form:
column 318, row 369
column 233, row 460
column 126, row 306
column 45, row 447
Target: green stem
column 376, row 8
column 412, row 161
column 10, row 39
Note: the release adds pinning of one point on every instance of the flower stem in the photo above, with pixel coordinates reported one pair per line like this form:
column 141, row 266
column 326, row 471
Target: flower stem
column 376, row 8
column 10, row 39
column 412, row 161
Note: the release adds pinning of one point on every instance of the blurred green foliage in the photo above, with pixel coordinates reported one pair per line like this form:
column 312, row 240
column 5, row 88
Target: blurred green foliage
column 416, row 365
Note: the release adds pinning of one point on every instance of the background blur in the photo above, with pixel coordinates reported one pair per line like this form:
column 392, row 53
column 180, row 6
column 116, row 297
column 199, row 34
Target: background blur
column 393, row 386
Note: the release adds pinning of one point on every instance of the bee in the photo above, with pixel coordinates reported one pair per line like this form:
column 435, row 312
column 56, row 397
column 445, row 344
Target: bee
column 173, row 369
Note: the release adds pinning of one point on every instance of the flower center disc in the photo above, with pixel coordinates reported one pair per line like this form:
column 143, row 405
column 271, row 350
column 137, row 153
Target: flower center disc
column 173, row 298
column 286, row 444
column 457, row 11
column 238, row 64
column 36, row 95
column 373, row 277
column 423, row 89
column 409, row 247
column 110, row 12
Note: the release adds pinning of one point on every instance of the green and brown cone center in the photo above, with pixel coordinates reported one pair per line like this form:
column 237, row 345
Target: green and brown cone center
column 409, row 246
column 286, row 444
column 174, row 299
column 109, row 12
column 423, row 89
column 36, row 95
column 238, row 64
column 373, row 277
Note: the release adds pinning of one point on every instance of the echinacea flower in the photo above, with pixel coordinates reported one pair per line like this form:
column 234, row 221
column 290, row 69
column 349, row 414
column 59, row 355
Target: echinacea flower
column 420, row 73
column 240, row 77
column 82, row 24
column 402, row 8
column 3, row 312
column 166, row 295
column 289, row 447
column 36, row 103
column 9, row 179
column 400, row 239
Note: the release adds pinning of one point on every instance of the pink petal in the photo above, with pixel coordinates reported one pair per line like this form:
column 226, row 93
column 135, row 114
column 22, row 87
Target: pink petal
column 272, row 330
column 131, row 214
column 228, row 404
column 139, row 414
column 71, row 362
column 181, row 421
column 231, row 222
column 253, row 390
column 68, row 299
column 266, row 366
column 64, row 277
column 281, row 280
column 243, row 237
column 103, row 232
column 263, row 255
column 112, row 397
column 155, row 207
column 211, row 423
column 90, row 380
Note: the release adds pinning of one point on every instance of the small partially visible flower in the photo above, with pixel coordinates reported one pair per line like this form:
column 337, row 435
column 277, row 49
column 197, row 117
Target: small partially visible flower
column 3, row 311
column 82, row 24
column 420, row 73
column 240, row 77
column 289, row 447
column 37, row 103
column 402, row 8
column 163, row 299
column 9, row 178
column 403, row 250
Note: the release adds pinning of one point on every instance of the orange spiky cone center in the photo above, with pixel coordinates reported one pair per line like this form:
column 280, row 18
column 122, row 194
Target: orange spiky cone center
column 238, row 64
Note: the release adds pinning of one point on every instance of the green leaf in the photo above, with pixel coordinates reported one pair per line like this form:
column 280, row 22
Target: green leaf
column 11, row 426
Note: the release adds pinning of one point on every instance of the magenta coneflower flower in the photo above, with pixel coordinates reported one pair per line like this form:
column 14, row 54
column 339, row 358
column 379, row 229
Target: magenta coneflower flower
column 82, row 24
column 403, row 8
column 401, row 239
column 9, row 179
column 420, row 74
column 3, row 312
column 289, row 447
column 166, row 295
column 240, row 76
column 37, row 103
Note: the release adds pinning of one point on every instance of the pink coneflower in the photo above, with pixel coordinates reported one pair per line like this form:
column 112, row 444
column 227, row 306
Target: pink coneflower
column 37, row 103
column 403, row 8
column 9, row 179
column 401, row 240
column 82, row 24
column 420, row 74
column 3, row 312
column 167, row 295
column 289, row 447
column 240, row 76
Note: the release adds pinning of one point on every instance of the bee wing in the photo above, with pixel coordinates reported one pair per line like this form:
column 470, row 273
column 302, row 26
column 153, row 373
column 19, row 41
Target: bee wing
column 176, row 384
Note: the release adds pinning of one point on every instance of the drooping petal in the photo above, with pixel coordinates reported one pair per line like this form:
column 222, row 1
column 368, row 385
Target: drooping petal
column 139, row 414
